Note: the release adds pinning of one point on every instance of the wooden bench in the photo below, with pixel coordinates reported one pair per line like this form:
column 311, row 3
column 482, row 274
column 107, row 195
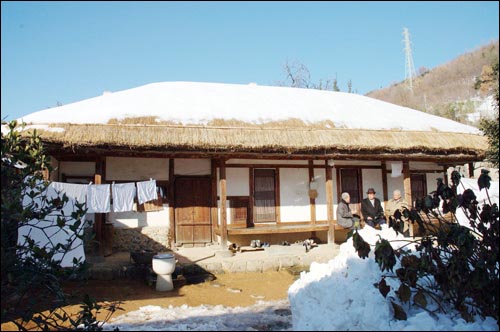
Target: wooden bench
column 282, row 228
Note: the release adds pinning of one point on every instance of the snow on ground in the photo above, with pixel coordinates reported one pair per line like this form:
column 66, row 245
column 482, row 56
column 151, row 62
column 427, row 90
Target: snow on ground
column 338, row 295
column 262, row 316
column 199, row 103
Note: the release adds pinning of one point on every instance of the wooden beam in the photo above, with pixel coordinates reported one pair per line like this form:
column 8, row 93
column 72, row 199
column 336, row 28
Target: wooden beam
column 329, row 203
column 384, row 184
column 312, row 201
column 62, row 153
column 223, row 200
column 171, row 202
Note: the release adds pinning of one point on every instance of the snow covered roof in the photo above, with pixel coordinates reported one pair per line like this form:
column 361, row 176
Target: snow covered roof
column 208, row 103
column 229, row 118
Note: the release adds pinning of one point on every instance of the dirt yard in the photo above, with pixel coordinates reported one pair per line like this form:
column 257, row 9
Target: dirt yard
column 232, row 289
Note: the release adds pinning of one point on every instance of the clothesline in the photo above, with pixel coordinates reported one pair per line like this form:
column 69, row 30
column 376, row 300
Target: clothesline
column 97, row 197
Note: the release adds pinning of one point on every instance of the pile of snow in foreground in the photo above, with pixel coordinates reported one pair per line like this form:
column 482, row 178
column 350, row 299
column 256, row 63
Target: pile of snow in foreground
column 340, row 295
column 262, row 316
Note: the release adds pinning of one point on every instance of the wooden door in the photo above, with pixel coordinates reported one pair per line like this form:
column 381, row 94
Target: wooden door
column 192, row 210
column 264, row 195
column 239, row 212
column 418, row 186
column 350, row 181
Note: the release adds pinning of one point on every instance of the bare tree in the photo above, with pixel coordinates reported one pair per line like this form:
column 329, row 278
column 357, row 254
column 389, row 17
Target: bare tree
column 297, row 75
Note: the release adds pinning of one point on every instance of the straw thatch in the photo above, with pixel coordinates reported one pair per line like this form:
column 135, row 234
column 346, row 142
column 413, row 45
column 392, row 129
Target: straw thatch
column 277, row 140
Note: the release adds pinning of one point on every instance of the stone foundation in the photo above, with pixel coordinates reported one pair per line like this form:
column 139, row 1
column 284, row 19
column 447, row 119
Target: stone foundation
column 141, row 238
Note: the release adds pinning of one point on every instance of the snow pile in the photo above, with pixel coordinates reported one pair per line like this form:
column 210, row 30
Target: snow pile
column 262, row 316
column 199, row 103
column 340, row 295
column 481, row 197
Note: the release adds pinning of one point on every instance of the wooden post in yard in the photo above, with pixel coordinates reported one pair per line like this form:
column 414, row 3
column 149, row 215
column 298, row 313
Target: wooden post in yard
column 329, row 203
column 223, row 212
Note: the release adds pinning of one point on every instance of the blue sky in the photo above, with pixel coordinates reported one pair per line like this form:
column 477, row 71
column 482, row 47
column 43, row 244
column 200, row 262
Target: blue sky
column 63, row 52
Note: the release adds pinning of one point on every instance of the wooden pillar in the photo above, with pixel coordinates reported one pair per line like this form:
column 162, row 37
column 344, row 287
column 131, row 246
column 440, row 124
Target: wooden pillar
column 171, row 202
column 223, row 212
column 407, row 182
column 312, row 201
column 384, row 184
column 329, row 203
column 213, row 211
column 251, row 198
column 277, row 199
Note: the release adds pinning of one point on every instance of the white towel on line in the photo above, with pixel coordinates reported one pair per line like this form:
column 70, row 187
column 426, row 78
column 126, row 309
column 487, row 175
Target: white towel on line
column 123, row 197
column 72, row 190
column 98, row 200
column 146, row 191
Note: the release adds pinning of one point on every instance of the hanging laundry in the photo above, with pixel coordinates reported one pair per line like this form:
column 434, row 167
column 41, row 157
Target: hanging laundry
column 72, row 190
column 146, row 191
column 98, row 200
column 123, row 197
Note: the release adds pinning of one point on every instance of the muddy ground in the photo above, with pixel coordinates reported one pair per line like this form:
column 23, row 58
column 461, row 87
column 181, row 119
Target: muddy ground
column 231, row 289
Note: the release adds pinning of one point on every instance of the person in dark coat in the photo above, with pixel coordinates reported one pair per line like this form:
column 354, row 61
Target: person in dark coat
column 345, row 217
column 372, row 210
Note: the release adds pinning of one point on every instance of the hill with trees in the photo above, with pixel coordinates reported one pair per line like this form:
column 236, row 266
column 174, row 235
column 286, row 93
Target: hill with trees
column 453, row 90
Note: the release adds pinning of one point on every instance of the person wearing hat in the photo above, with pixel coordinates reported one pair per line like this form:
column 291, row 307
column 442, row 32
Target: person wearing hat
column 372, row 210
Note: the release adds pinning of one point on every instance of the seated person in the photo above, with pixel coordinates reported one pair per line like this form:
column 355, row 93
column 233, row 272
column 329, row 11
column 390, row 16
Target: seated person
column 398, row 203
column 372, row 210
column 345, row 217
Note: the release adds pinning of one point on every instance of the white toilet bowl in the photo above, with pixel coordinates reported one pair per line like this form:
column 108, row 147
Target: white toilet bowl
column 164, row 266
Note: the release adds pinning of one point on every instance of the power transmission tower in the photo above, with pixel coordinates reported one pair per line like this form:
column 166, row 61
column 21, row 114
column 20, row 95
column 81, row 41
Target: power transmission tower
column 409, row 68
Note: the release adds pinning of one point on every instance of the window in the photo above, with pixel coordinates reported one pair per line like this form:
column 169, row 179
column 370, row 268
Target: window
column 264, row 195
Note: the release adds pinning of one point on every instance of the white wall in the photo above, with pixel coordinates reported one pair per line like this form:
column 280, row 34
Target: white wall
column 237, row 181
column 294, row 194
column 71, row 168
column 192, row 167
column 320, row 179
column 140, row 219
column 393, row 184
column 133, row 169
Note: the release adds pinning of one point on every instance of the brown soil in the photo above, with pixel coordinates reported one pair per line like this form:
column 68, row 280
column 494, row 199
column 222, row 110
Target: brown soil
column 232, row 289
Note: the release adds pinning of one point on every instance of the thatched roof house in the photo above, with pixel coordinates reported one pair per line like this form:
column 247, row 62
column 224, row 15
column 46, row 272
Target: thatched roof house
column 250, row 159
column 249, row 119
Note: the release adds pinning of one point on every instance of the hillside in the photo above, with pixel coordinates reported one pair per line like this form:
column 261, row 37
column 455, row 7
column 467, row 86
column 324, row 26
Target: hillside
column 447, row 90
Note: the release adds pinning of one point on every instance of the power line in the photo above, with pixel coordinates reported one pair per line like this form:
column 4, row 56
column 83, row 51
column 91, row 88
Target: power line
column 409, row 67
